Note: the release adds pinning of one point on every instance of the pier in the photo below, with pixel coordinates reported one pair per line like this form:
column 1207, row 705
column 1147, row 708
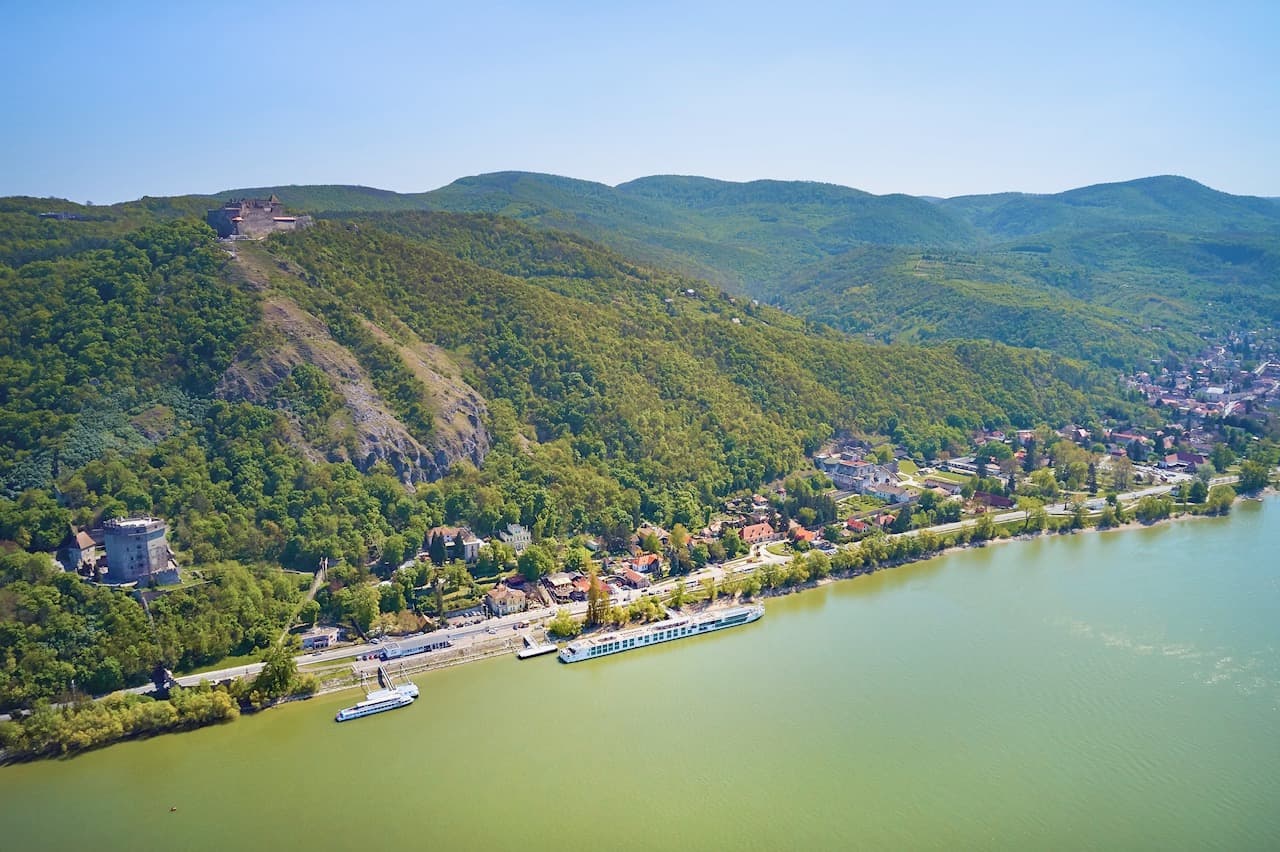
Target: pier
column 534, row 648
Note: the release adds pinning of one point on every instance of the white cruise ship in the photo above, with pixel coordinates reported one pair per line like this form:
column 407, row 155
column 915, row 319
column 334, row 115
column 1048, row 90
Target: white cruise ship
column 379, row 700
column 662, row 631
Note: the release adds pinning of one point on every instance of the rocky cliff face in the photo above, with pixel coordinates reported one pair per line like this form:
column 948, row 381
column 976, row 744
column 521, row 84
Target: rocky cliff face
column 365, row 430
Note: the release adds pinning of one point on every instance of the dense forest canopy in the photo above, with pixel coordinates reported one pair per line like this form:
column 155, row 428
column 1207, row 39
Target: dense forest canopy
column 1115, row 273
column 614, row 393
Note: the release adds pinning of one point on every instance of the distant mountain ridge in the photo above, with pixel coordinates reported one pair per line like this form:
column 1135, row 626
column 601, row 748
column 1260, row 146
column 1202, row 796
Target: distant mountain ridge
column 1166, row 202
column 1114, row 272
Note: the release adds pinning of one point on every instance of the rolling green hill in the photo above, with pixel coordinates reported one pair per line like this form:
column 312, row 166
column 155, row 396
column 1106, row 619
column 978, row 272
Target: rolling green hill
column 334, row 393
column 1166, row 203
column 1115, row 273
column 583, row 384
column 741, row 236
column 1113, row 298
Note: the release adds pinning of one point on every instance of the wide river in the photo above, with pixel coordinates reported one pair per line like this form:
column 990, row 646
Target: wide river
column 1117, row 690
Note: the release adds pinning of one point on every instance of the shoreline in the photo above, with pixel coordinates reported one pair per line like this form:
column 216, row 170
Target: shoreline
column 1013, row 538
column 424, row 665
column 722, row 601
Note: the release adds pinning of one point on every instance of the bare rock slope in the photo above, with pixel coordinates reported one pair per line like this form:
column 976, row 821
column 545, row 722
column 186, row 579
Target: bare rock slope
column 365, row 430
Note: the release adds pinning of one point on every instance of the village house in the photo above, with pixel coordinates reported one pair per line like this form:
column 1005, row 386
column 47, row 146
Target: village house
column 560, row 585
column 657, row 532
column 945, row 485
column 994, row 501
column 517, row 537
column 758, row 533
column 890, row 493
column 502, row 600
column 320, row 637
column 799, row 534
column 633, row 578
column 460, row 541
column 648, row 563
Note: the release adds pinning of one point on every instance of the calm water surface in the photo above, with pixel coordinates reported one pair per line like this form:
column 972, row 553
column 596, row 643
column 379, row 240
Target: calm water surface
column 1117, row 690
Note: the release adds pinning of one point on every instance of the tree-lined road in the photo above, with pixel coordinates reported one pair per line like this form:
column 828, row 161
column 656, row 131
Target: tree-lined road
column 507, row 625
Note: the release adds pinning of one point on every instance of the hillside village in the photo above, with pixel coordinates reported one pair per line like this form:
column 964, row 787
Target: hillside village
column 1226, row 379
column 858, row 490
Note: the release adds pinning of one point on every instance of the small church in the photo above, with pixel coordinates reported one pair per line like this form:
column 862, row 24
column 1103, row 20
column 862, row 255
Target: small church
column 253, row 218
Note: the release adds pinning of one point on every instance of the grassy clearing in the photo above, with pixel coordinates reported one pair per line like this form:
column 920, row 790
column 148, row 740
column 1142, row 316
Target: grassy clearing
column 948, row 476
column 254, row 656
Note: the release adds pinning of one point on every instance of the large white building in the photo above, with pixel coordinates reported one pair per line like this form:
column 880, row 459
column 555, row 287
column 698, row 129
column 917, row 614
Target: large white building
column 517, row 536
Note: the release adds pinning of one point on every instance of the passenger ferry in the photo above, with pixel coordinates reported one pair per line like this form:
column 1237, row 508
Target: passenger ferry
column 663, row 631
column 379, row 700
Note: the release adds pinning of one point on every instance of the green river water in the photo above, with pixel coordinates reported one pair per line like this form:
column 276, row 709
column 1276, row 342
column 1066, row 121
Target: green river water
column 1117, row 690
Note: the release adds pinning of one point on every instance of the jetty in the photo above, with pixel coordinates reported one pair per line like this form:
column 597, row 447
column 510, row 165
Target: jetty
column 534, row 648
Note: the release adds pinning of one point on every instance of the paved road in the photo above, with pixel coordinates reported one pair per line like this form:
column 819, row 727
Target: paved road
column 505, row 626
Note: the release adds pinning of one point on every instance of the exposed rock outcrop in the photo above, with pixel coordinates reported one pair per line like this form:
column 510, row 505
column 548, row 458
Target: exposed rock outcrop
column 366, row 430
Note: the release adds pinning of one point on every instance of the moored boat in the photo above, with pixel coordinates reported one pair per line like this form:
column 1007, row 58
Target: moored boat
column 380, row 700
column 662, row 631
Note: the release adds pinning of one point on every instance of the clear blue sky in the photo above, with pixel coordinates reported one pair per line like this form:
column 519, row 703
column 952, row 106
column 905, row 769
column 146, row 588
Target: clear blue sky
column 111, row 101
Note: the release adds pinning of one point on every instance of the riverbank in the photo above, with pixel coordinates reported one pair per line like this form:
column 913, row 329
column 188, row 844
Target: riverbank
column 1115, row 690
column 775, row 580
column 1004, row 535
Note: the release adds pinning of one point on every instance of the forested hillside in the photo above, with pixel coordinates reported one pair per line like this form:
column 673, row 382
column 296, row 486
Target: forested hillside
column 610, row 383
column 1165, row 203
column 286, row 402
column 1114, row 273
column 636, row 380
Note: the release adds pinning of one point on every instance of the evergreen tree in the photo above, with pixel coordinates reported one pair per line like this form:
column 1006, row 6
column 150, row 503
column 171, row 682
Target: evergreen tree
column 438, row 550
column 437, row 584
column 597, row 599
column 1199, row 491
column 902, row 522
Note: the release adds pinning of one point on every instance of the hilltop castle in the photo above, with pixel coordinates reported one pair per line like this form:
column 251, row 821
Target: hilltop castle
column 253, row 218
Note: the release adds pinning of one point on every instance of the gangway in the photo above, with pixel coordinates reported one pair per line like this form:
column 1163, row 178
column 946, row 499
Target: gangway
column 388, row 683
column 533, row 648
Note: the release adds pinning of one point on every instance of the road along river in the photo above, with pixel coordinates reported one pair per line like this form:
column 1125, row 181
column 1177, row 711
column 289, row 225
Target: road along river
column 1118, row 689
